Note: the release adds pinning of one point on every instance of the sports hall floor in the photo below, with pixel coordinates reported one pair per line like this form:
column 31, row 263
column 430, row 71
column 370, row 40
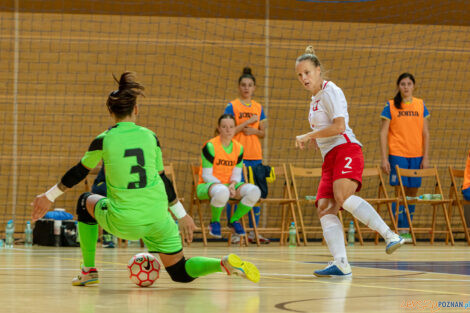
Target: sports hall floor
column 413, row 279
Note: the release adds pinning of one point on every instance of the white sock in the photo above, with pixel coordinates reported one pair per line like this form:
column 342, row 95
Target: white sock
column 334, row 237
column 364, row 212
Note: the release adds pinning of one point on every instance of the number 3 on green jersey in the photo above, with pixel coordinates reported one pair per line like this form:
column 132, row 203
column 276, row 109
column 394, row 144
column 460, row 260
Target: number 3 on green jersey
column 139, row 168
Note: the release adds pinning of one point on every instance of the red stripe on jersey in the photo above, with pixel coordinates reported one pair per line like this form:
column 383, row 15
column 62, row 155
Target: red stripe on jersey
column 347, row 138
column 326, row 83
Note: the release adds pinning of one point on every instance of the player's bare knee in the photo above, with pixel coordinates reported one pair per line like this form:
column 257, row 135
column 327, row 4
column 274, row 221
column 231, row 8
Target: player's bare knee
column 340, row 197
column 178, row 272
column 322, row 208
column 328, row 206
column 82, row 212
column 91, row 203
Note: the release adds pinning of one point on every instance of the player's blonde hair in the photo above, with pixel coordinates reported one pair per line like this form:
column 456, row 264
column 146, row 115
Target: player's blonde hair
column 310, row 55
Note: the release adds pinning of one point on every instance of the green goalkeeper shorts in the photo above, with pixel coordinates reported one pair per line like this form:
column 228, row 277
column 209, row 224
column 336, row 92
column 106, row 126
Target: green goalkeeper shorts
column 160, row 236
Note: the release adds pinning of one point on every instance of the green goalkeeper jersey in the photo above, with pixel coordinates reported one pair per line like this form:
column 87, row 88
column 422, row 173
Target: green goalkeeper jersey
column 132, row 159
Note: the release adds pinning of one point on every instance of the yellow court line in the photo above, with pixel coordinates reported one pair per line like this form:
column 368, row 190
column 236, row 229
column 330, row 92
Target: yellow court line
column 277, row 261
column 369, row 286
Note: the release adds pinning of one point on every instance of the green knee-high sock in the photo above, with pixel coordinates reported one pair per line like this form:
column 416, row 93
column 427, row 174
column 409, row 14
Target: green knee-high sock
column 88, row 238
column 216, row 212
column 202, row 266
column 242, row 209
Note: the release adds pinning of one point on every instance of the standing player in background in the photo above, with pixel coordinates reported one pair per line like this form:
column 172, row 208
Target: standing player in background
column 342, row 167
column 466, row 179
column 250, row 128
column 220, row 176
column 138, row 196
column 405, row 133
column 466, row 189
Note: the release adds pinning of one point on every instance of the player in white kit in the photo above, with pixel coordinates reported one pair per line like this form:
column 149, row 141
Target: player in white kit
column 342, row 167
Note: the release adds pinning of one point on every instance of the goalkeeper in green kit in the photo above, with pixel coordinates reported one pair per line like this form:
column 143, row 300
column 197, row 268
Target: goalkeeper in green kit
column 139, row 194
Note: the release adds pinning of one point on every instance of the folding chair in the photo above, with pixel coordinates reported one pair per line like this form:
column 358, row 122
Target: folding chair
column 382, row 198
column 170, row 173
column 198, row 203
column 429, row 172
column 284, row 201
column 455, row 195
column 300, row 172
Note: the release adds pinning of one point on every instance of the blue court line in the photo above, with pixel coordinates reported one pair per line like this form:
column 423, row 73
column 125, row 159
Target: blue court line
column 443, row 267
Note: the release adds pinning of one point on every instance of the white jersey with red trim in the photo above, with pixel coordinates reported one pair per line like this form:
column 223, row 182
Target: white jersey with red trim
column 329, row 103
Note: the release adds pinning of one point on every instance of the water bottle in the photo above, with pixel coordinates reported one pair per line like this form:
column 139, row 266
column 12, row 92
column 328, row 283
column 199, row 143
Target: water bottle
column 351, row 234
column 76, row 230
column 292, row 234
column 28, row 235
column 57, row 229
column 9, row 232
